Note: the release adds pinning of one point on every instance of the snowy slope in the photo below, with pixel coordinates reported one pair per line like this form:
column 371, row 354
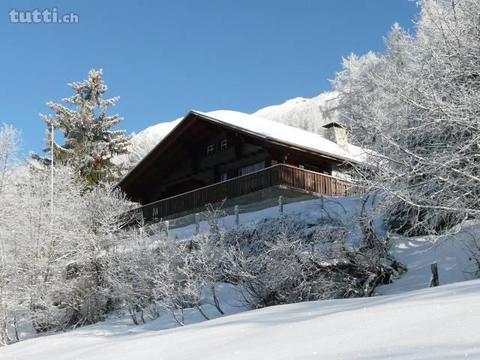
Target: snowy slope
column 411, row 322
column 304, row 113
column 451, row 254
column 405, row 325
column 439, row 323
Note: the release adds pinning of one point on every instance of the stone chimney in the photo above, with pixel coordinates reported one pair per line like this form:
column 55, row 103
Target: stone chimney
column 335, row 132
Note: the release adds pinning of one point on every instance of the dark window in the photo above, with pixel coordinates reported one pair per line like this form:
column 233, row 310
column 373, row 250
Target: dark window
column 252, row 168
column 211, row 149
column 223, row 144
column 310, row 167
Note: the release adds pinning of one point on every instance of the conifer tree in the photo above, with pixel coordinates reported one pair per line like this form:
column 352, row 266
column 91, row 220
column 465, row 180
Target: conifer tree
column 90, row 143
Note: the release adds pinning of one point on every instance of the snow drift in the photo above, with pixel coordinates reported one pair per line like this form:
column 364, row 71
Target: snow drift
column 438, row 323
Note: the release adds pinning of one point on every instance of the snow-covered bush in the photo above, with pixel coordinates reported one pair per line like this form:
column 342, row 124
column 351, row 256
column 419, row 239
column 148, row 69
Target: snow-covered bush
column 279, row 262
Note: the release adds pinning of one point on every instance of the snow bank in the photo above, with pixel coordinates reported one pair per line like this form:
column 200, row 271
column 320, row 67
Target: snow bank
column 451, row 253
column 438, row 323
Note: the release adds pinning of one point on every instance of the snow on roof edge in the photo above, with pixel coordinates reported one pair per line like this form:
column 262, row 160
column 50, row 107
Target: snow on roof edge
column 340, row 153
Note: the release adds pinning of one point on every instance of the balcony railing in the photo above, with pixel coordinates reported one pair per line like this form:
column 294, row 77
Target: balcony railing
column 277, row 175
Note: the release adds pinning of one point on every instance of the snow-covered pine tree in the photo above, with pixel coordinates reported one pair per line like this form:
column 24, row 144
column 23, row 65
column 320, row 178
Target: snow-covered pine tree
column 90, row 143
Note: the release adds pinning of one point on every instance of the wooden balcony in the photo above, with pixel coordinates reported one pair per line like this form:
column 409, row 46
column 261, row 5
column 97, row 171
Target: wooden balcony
column 280, row 175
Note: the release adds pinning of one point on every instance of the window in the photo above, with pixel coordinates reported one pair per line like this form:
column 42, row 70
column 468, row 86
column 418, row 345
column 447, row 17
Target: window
column 252, row 168
column 210, row 149
column 223, row 144
column 310, row 167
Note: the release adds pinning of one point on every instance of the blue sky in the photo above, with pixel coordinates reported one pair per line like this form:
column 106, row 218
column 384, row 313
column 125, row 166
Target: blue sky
column 166, row 57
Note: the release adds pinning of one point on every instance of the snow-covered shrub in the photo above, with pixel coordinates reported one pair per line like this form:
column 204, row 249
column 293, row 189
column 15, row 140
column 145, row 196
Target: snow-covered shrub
column 138, row 275
column 254, row 238
column 279, row 262
column 88, row 292
column 409, row 220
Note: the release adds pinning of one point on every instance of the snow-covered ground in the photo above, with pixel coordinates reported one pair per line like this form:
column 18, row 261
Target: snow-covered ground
column 438, row 323
column 406, row 320
column 451, row 254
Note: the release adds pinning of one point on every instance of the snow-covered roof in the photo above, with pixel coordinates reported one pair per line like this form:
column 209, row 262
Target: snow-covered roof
column 272, row 130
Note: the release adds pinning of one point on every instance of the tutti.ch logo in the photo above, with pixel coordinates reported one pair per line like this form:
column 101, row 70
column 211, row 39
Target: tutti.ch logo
column 45, row 16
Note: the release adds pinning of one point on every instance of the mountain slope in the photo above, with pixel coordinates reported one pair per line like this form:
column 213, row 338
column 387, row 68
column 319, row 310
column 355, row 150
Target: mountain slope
column 305, row 113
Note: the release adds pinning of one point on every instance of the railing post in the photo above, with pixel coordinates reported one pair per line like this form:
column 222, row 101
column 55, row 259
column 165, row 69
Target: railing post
column 236, row 210
column 280, row 204
column 197, row 224
column 167, row 228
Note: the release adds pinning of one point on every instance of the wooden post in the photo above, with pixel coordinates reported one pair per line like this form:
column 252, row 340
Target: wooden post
column 434, row 281
column 167, row 228
column 280, row 204
column 237, row 215
column 197, row 224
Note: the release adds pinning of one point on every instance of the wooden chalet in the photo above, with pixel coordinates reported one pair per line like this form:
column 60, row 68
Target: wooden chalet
column 209, row 157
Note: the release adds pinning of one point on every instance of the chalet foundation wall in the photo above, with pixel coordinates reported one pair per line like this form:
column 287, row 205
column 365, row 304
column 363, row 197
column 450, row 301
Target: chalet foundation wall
column 255, row 201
